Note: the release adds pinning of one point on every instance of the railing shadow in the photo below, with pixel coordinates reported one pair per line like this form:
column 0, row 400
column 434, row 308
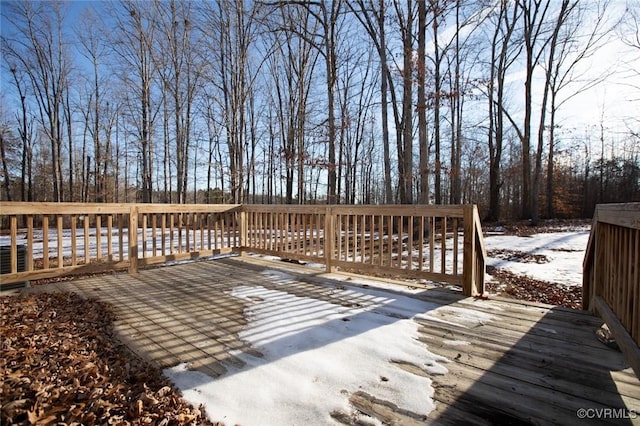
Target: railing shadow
column 292, row 315
column 556, row 373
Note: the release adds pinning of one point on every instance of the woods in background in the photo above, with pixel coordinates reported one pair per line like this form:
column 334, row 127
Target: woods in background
column 344, row 101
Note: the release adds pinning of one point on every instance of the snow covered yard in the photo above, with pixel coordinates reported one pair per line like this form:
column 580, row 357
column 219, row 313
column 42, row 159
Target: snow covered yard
column 554, row 257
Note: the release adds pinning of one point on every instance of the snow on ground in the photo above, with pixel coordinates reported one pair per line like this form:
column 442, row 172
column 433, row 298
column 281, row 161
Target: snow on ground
column 316, row 354
column 563, row 251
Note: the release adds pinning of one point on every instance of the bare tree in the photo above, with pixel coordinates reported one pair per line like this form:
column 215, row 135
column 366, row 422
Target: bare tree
column 25, row 131
column 233, row 28
column 423, row 143
column 134, row 35
column 92, row 47
column 565, row 10
column 38, row 49
column 291, row 67
column 373, row 20
column 405, row 128
column 463, row 56
column 5, row 148
column 629, row 30
column 570, row 46
column 213, row 125
column 437, row 9
column 503, row 54
column 175, row 55
column 327, row 15
column 535, row 38
column 355, row 97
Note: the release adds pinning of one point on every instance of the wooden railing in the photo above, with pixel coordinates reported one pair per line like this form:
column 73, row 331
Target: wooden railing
column 611, row 274
column 64, row 238
column 185, row 231
column 438, row 243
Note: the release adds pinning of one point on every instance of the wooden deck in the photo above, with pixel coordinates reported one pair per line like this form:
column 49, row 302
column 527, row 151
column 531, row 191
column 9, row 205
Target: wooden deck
column 533, row 364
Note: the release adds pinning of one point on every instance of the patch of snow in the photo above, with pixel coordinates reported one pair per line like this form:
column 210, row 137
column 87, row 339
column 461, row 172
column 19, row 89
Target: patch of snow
column 460, row 317
column 279, row 276
column 564, row 251
column 316, row 354
column 456, row 342
column 313, row 265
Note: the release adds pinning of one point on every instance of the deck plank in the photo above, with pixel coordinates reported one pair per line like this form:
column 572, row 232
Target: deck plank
column 530, row 363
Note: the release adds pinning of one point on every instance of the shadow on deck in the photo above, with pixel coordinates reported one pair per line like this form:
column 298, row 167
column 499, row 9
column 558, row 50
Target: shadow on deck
column 556, row 372
column 528, row 364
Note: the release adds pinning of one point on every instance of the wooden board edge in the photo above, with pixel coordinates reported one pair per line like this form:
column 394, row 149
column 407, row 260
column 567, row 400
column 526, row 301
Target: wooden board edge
column 627, row 345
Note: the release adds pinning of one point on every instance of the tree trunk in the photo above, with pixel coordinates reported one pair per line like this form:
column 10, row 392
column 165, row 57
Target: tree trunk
column 406, row 159
column 422, row 105
column 436, row 103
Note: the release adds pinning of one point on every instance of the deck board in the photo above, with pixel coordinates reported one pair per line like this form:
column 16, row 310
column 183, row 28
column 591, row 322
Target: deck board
column 532, row 364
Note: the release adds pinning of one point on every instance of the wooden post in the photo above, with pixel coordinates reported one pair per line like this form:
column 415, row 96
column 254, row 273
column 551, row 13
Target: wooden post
column 479, row 255
column 59, row 235
column 599, row 265
column 133, row 240
column 98, row 235
column 109, row 238
column 14, row 245
column 468, row 270
column 74, row 241
column 87, row 253
column 243, row 232
column 45, row 241
column 29, row 259
column 329, row 238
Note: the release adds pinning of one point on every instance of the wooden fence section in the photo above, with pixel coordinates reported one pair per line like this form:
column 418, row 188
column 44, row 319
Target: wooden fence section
column 286, row 231
column 184, row 231
column 611, row 274
column 59, row 239
column 441, row 243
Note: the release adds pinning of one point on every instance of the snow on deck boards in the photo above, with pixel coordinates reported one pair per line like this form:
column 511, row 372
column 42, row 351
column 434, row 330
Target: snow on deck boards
column 475, row 361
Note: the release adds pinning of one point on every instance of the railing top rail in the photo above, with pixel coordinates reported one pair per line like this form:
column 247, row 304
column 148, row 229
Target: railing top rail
column 621, row 214
column 187, row 208
column 383, row 209
column 478, row 227
column 34, row 208
column 626, row 214
column 402, row 209
column 284, row 208
column 20, row 208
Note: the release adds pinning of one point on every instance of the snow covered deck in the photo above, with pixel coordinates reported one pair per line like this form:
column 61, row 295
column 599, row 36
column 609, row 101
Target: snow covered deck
column 265, row 342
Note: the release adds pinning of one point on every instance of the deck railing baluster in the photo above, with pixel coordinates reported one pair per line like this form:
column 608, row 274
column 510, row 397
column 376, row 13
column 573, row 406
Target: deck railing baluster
column 45, row 241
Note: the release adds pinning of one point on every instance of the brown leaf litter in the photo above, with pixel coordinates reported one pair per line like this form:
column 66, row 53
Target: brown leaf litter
column 524, row 288
column 61, row 364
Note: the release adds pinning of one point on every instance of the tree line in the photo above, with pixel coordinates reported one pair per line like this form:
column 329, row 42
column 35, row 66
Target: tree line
column 344, row 101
